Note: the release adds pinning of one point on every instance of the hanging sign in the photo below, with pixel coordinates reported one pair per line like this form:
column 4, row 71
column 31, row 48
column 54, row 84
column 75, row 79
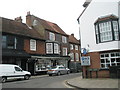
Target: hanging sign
column 85, row 61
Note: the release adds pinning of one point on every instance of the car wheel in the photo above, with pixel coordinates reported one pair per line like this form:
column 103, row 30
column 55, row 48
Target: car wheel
column 68, row 72
column 3, row 79
column 58, row 73
column 50, row 74
column 26, row 77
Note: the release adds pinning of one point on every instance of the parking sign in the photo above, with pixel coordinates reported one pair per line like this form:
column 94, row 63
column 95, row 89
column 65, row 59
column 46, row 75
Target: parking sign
column 85, row 60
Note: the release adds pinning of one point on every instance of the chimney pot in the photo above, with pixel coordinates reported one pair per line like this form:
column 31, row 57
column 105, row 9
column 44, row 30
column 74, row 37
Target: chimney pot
column 18, row 19
column 28, row 13
column 72, row 34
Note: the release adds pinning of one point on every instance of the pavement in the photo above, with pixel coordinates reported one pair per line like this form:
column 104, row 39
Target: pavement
column 90, row 83
column 94, row 83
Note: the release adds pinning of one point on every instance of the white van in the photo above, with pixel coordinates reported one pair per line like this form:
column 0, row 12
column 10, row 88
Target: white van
column 9, row 71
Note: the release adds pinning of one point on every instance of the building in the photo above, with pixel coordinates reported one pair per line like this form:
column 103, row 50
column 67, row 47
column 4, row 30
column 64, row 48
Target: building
column 55, row 46
column 100, row 37
column 13, row 34
column 75, row 64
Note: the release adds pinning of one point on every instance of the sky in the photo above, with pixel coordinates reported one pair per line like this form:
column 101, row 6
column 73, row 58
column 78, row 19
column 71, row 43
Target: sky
column 62, row 12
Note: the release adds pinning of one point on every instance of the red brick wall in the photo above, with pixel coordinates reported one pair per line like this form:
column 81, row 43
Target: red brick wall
column 95, row 64
column 40, row 49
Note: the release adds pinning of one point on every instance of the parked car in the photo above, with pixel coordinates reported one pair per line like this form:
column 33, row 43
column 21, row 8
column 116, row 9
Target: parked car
column 58, row 70
column 8, row 71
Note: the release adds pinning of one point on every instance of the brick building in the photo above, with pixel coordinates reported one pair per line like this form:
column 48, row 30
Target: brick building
column 74, row 44
column 100, row 37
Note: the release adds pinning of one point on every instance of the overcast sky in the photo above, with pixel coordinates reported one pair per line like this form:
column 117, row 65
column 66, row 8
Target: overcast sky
column 62, row 12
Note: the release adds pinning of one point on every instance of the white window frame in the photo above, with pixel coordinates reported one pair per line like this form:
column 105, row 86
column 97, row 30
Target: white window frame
column 32, row 45
column 56, row 48
column 64, row 51
column 77, row 56
column 49, row 48
column 76, row 47
column 107, row 59
column 72, row 56
column 64, row 39
column 51, row 36
column 71, row 47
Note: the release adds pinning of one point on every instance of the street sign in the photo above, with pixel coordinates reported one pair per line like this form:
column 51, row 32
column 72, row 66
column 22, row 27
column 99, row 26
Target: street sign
column 85, row 61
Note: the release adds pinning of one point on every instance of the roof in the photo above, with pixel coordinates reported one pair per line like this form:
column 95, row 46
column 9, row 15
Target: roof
column 107, row 17
column 18, row 28
column 72, row 39
column 50, row 26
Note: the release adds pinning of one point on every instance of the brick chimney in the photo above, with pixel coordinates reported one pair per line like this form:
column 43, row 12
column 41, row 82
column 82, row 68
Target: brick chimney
column 72, row 34
column 18, row 19
column 29, row 19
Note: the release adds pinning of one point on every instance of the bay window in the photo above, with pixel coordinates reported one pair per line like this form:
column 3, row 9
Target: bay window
column 107, row 30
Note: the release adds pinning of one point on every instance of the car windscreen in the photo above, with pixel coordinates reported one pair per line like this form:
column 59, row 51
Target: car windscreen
column 53, row 67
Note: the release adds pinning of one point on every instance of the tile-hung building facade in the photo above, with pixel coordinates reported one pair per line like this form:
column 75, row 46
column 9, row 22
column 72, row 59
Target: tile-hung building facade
column 56, row 46
column 75, row 64
column 100, row 37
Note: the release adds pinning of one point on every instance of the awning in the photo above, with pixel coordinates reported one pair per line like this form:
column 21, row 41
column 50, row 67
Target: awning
column 14, row 53
column 51, row 58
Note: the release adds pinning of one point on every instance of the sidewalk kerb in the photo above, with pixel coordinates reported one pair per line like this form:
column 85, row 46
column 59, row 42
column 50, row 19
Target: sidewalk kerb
column 67, row 83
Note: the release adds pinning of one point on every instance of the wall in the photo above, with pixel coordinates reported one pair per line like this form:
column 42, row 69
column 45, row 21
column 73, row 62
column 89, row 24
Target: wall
column 40, row 47
column 97, row 8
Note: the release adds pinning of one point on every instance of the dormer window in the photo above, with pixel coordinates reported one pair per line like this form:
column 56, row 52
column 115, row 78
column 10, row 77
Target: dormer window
column 35, row 22
column 51, row 36
column 64, row 39
column 107, row 29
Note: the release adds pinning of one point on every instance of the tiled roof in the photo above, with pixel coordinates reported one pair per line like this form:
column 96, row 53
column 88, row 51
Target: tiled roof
column 18, row 28
column 50, row 26
column 72, row 39
column 106, row 18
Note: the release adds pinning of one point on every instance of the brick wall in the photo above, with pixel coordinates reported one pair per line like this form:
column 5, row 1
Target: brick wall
column 95, row 64
column 39, row 50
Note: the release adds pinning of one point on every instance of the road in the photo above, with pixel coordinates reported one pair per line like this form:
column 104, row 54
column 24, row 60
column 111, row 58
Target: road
column 42, row 82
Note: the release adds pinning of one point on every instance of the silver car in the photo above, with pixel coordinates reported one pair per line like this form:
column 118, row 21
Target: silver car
column 58, row 70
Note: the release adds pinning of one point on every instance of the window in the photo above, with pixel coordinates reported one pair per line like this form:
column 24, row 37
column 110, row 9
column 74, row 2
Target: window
column 49, row 48
column 110, row 59
column 77, row 57
column 56, row 48
column 71, row 46
column 35, row 22
column 64, row 39
column 17, row 69
column 64, row 51
column 33, row 45
column 76, row 47
column 4, row 44
column 107, row 30
column 72, row 56
column 51, row 36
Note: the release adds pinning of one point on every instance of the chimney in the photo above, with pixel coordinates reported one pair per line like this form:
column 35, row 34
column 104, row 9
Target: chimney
column 72, row 34
column 29, row 19
column 18, row 19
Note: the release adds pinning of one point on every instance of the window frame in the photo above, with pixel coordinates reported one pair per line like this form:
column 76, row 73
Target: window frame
column 98, row 33
column 64, row 53
column 49, row 49
column 51, row 36
column 33, row 44
column 64, row 39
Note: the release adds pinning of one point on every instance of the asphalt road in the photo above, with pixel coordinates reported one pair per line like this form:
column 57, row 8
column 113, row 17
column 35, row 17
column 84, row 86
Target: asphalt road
column 42, row 82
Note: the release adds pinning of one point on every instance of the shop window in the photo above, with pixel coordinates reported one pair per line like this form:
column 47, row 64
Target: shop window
column 32, row 44
column 4, row 41
column 110, row 59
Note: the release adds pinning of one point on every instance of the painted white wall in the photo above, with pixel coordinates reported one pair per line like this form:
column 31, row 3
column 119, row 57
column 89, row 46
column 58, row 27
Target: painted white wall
column 97, row 8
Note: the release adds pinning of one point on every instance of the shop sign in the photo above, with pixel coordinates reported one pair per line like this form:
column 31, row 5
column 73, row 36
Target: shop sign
column 85, row 61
